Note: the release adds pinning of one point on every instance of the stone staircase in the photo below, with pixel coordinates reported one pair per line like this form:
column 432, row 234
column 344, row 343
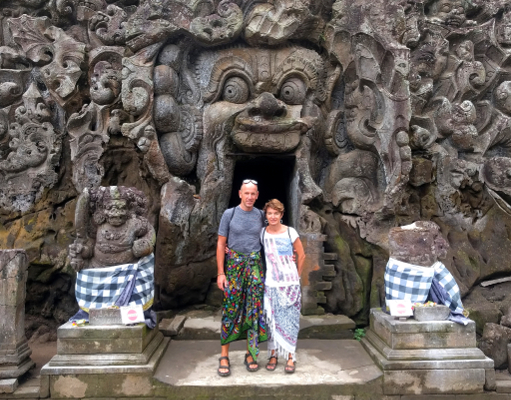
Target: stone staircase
column 319, row 271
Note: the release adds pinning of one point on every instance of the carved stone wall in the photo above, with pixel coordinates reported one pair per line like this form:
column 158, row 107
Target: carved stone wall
column 387, row 112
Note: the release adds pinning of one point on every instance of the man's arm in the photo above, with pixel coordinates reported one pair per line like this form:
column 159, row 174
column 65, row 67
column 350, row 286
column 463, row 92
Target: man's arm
column 221, row 281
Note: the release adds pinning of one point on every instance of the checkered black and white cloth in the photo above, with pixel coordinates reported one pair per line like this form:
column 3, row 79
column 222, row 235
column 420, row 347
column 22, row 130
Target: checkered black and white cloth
column 105, row 287
column 446, row 280
column 405, row 281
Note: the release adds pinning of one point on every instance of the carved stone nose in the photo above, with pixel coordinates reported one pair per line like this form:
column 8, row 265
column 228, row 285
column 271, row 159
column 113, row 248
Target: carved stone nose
column 267, row 106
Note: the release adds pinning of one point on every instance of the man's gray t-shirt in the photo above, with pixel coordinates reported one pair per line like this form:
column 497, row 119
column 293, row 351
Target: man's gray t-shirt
column 243, row 230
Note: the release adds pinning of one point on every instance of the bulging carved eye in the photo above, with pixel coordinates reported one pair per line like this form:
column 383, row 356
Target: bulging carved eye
column 235, row 90
column 293, row 91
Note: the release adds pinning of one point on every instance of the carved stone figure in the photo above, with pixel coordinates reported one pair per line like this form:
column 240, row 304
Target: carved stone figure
column 119, row 233
column 367, row 116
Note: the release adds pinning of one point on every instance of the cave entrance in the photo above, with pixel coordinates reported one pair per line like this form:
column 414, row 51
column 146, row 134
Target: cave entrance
column 276, row 176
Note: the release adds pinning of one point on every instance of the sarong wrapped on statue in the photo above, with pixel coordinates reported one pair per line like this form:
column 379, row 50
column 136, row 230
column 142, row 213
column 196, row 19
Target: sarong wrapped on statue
column 116, row 286
column 404, row 281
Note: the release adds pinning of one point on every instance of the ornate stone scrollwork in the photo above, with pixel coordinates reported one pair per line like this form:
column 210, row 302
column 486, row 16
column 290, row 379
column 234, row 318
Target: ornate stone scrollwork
column 28, row 162
column 60, row 55
column 90, row 128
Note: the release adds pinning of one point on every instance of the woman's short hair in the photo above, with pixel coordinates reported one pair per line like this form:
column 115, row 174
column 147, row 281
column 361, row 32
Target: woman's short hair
column 275, row 204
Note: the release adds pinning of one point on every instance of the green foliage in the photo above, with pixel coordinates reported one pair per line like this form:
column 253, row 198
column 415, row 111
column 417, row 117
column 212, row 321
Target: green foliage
column 359, row 334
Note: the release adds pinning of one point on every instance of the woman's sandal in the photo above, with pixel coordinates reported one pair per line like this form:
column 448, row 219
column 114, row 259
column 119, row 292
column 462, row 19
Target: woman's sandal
column 249, row 364
column 227, row 367
column 272, row 366
column 289, row 369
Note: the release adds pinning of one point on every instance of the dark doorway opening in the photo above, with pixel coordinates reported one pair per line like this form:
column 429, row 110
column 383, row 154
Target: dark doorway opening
column 274, row 175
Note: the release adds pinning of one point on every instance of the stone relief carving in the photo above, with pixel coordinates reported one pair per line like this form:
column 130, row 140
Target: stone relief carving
column 391, row 112
column 111, row 228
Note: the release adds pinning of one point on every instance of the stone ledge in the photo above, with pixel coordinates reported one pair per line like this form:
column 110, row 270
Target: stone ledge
column 8, row 385
column 111, row 339
column 79, row 368
column 16, row 371
column 423, row 354
column 202, row 325
column 61, row 360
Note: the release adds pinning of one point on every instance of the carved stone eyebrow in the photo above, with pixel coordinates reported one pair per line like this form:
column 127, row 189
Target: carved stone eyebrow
column 224, row 68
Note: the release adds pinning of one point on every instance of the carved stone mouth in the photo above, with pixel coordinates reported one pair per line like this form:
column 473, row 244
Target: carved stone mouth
column 255, row 135
column 271, row 127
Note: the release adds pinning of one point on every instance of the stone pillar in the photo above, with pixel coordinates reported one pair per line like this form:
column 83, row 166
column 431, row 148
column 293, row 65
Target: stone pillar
column 14, row 351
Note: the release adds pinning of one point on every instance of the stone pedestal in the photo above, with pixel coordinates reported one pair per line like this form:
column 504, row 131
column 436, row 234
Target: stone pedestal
column 14, row 351
column 427, row 357
column 104, row 361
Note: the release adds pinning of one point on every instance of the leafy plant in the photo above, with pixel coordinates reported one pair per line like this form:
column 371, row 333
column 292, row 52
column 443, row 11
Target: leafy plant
column 359, row 334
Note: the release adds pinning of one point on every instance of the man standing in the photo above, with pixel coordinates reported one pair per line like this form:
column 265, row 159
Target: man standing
column 241, row 277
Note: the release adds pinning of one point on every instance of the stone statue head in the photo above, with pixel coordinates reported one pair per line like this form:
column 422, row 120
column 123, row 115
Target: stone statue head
column 116, row 204
column 449, row 12
column 465, row 50
column 105, row 83
column 420, row 243
column 502, row 97
column 268, row 94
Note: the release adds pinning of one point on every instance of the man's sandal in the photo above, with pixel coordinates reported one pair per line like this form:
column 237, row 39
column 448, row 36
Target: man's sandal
column 225, row 367
column 289, row 369
column 271, row 366
column 249, row 364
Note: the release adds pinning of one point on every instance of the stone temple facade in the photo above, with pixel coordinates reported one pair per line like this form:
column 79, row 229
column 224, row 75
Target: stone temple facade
column 359, row 115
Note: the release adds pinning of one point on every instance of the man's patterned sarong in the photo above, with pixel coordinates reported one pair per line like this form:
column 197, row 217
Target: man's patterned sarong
column 242, row 309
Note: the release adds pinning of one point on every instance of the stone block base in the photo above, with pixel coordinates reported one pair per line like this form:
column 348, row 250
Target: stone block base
column 436, row 362
column 8, row 385
column 8, row 371
column 104, row 361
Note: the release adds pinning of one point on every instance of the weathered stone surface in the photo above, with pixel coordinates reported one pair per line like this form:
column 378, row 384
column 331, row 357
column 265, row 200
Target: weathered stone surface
column 172, row 327
column 14, row 351
column 483, row 308
column 411, row 334
column 434, row 381
column 435, row 313
column 420, row 243
column 8, row 385
column 105, row 316
column 372, row 115
column 326, row 327
column 112, row 354
column 506, row 318
column 439, row 358
column 494, row 343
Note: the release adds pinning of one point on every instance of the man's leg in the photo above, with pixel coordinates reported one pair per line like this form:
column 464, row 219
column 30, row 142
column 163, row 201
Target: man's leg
column 250, row 362
column 225, row 361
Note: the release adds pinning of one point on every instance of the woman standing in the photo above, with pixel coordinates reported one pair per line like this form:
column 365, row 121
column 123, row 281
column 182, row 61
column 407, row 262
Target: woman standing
column 282, row 293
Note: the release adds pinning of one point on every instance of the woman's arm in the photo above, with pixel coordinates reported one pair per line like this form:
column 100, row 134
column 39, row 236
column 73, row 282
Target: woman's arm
column 298, row 247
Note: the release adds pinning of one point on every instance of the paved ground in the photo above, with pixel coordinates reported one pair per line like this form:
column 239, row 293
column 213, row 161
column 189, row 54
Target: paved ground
column 325, row 368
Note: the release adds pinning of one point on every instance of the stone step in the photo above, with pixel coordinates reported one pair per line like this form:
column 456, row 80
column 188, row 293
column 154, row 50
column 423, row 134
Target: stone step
column 320, row 297
column 205, row 325
column 330, row 256
column 323, row 286
column 328, row 271
column 325, row 369
column 33, row 388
